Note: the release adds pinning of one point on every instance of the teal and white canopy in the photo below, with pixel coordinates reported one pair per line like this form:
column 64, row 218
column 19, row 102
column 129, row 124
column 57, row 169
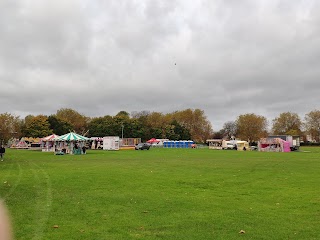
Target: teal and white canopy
column 72, row 136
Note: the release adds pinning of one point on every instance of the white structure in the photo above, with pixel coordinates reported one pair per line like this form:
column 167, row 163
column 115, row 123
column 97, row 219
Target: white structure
column 111, row 143
column 216, row 143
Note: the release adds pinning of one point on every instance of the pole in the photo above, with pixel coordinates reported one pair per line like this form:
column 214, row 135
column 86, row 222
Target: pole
column 122, row 126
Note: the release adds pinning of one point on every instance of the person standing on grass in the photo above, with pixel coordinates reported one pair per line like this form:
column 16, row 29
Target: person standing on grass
column 2, row 151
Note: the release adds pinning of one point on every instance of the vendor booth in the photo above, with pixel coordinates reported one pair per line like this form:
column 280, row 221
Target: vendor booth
column 47, row 143
column 215, row 144
column 19, row 144
column 242, row 146
column 111, row 143
column 273, row 145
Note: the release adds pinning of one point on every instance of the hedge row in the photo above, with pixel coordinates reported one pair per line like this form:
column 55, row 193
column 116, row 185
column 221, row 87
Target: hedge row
column 309, row 144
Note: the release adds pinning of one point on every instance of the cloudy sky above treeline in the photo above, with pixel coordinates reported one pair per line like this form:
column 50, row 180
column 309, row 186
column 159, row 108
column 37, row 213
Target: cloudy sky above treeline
column 100, row 57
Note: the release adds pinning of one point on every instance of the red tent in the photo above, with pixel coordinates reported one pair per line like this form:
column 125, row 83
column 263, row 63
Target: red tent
column 153, row 140
column 49, row 138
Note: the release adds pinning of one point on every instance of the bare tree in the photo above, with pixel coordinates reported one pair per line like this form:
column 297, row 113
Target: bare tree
column 312, row 124
column 230, row 129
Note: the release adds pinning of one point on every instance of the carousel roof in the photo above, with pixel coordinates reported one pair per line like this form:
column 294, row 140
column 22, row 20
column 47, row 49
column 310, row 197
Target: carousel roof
column 72, row 136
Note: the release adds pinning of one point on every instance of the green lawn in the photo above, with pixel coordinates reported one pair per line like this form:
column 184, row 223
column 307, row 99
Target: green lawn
column 163, row 194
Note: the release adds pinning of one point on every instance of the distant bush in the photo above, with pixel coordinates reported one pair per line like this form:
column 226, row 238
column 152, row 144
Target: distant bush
column 309, row 144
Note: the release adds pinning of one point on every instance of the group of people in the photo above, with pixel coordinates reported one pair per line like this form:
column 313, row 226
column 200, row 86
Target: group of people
column 79, row 150
column 66, row 149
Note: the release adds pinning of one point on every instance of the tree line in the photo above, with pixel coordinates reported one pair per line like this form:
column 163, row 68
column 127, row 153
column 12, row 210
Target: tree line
column 252, row 127
column 179, row 125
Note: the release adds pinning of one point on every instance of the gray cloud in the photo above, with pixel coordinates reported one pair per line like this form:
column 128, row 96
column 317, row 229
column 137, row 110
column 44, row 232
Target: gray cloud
column 99, row 57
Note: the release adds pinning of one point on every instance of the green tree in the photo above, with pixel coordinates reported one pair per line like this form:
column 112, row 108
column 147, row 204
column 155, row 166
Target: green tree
column 78, row 121
column 142, row 127
column 287, row 124
column 156, row 125
column 176, row 125
column 136, row 129
column 312, row 124
column 175, row 131
column 26, row 122
column 122, row 121
column 38, row 126
column 124, row 114
column 251, row 127
column 196, row 122
column 180, row 132
column 59, row 126
column 103, row 126
column 170, row 133
column 155, row 132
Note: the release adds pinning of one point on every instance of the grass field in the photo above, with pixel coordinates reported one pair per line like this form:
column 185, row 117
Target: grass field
column 163, row 194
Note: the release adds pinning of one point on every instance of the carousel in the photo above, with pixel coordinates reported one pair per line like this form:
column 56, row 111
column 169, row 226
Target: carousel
column 70, row 143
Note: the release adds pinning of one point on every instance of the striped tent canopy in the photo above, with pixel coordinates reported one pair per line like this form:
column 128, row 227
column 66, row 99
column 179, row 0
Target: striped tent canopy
column 72, row 136
column 49, row 138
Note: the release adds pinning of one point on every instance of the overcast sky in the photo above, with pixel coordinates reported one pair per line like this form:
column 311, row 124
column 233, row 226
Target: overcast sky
column 99, row 57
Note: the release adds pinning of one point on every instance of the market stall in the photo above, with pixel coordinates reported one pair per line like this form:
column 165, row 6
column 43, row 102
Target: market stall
column 273, row 145
column 47, row 143
column 216, row 144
